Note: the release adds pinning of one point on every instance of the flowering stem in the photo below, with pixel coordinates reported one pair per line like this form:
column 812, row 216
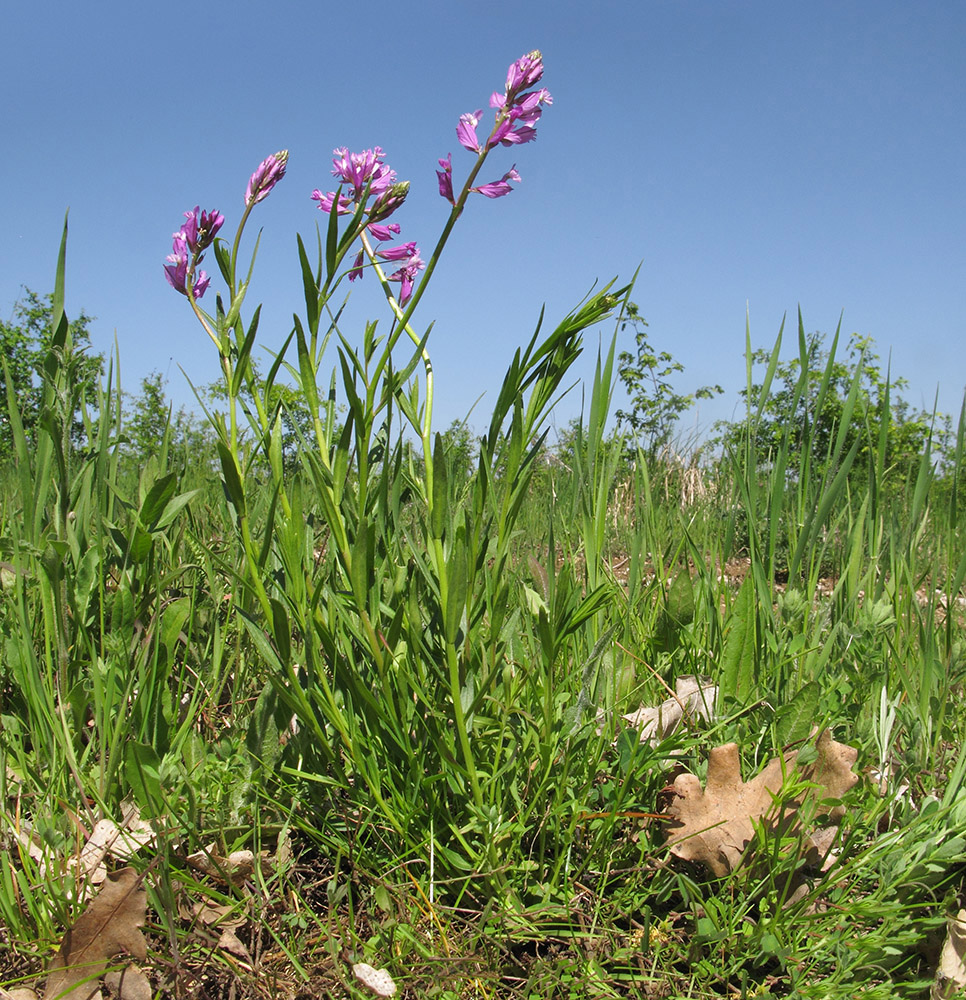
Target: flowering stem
column 236, row 245
column 454, row 214
column 403, row 324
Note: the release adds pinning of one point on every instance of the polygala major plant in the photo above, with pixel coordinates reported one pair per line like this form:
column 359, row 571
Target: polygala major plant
column 382, row 621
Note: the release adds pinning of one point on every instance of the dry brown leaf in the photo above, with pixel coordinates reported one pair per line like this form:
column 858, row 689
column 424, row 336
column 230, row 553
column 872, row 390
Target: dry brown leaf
column 129, row 984
column 693, row 699
column 237, row 867
column 231, row 942
column 212, row 914
column 109, row 926
column 19, row 993
column 951, row 974
column 714, row 825
column 378, row 980
column 109, row 838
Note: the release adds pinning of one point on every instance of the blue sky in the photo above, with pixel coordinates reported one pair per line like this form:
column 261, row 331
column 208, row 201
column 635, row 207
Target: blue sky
column 747, row 154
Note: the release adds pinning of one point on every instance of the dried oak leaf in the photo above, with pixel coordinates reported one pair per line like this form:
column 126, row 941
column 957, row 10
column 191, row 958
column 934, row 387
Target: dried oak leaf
column 109, row 926
column 694, row 698
column 951, row 974
column 129, row 984
column 714, row 825
column 236, row 868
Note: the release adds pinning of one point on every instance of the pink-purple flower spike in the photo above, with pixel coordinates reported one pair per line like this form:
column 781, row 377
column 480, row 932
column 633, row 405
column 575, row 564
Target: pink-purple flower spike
column 176, row 270
column 267, row 174
column 518, row 109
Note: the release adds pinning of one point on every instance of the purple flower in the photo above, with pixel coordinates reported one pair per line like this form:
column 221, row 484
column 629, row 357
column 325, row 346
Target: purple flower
column 325, row 202
column 356, row 270
column 497, row 189
column 360, row 170
column 406, row 275
column 201, row 283
column 200, row 234
column 176, row 270
column 445, row 177
column 466, row 131
column 402, row 252
column 510, row 136
column 382, row 233
column 524, row 73
column 269, row 172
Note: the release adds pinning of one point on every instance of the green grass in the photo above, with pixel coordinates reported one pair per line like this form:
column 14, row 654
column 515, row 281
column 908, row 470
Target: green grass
column 399, row 681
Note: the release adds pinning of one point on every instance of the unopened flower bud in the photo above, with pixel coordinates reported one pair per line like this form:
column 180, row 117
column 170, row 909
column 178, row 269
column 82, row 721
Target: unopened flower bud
column 388, row 202
column 268, row 173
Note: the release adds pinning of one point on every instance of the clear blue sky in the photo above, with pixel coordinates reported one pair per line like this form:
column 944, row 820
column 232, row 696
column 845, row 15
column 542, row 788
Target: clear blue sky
column 748, row 153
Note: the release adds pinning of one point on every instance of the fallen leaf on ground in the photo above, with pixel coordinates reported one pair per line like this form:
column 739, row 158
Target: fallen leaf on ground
column 19, row 993
column 237, row 867
column 378, row 980
column 226, row 919
column 951, row 974
column 714, row 825
column 109, row 838
column 129, row 984
column 693, row 699
column 109, row 926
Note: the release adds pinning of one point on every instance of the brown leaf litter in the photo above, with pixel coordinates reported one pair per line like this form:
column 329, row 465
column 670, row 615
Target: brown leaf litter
column 714, row 825
column 110, row 926
column 694, row 698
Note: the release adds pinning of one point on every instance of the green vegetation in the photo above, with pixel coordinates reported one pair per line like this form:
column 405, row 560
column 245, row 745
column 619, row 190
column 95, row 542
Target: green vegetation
column 396, row 671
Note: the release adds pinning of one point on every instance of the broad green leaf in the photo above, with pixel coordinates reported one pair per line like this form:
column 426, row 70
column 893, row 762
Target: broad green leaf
column 142, row 772
column 794, row 721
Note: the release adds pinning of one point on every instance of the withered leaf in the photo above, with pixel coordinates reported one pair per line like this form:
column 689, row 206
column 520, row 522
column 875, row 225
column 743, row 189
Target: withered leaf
column 237, row 867
column 714, row 825
column 694, row 698
column 109, row 926
column 19, row 993
column 129, row 984
column 378, row 980
column 951, row 974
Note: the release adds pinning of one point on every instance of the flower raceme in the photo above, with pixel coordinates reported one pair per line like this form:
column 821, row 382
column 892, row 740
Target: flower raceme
column 518, row 109
column 195, row 235
column 268, row 173
column 198, row 232
column 365, row 179
column 368, row 178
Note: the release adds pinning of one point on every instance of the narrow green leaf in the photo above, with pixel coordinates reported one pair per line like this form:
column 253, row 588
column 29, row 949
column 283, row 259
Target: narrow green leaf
column 309, row 288
column 440, row 489
column 738, row 657
column 281, row 631
column 232, row 479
